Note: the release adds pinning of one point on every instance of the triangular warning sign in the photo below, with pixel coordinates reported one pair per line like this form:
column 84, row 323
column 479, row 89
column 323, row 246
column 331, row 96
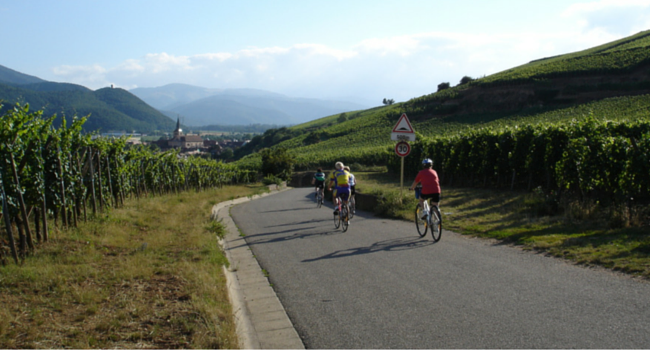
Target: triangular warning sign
column 403, row 125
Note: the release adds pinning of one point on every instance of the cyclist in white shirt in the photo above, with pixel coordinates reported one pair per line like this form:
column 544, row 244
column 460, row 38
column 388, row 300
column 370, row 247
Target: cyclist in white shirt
column 352, row 181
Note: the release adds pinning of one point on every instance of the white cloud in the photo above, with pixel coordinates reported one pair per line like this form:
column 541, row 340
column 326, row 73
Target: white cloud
column 91, row 76
column 399, row 67
column 400, row 45
column 163, row 62
column 615, row 17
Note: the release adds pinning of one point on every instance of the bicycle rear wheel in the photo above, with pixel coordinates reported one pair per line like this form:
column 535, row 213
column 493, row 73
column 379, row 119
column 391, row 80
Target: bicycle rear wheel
column 420, row 224
column 436, row 224
column 319, row 199
column 337, row 220
column 345, row 217
column 352, row 210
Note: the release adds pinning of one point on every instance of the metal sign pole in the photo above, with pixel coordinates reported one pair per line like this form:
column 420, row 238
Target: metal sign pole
column 401, row 180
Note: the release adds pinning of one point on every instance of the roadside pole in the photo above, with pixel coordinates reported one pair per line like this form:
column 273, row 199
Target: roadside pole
column 402, row 132
column 401, row 180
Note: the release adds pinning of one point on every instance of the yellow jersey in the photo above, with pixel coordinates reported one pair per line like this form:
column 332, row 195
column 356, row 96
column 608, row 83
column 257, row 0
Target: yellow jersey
column 341, row 178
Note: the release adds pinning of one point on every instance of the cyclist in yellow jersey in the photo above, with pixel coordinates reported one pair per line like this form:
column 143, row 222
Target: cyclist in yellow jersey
column 340, row 178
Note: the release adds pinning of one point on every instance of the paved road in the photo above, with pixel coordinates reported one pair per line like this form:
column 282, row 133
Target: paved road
column 381, row 286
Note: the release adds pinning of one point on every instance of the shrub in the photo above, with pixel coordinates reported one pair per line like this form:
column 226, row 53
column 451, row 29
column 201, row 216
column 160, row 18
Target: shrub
column 277, row 162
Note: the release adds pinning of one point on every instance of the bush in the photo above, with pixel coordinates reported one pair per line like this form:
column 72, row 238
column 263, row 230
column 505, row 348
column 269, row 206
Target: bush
column 271, row 180
column 277, row 162
column 465, row 80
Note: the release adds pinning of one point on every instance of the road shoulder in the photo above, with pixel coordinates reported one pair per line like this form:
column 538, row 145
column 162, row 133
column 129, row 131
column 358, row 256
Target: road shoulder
column 261, row 321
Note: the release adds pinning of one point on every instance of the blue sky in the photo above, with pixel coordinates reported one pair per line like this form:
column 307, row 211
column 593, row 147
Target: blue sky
column 353, row 50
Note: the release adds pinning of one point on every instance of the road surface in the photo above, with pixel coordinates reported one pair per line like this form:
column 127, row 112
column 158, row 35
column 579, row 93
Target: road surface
column 380, row 285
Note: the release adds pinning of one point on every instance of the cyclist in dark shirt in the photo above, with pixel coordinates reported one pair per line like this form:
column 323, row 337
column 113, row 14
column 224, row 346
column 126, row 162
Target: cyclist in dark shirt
column 318, row 180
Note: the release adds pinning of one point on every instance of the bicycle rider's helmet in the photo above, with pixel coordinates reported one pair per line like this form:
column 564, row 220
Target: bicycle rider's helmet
column 427, row 161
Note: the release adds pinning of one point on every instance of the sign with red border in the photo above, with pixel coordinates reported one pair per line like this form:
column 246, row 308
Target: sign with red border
column 402, row 149
column 403, row 130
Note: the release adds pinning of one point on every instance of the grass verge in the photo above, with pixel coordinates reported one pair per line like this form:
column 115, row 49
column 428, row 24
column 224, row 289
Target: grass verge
column 617, row 238
column 148, row 275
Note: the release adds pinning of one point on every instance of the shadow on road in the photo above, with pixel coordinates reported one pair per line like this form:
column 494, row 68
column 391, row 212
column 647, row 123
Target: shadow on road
column 287, row 238
column 397, row 244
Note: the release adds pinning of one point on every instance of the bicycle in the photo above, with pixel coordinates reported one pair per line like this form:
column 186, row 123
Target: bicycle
column 343, row 218
column 428, row 218
column 353, row 206
column 319, row 197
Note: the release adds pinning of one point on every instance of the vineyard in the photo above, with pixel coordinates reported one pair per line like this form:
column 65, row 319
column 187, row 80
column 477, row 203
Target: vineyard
column 64, row 175
column 365, row 139
column 361, row 139
column 606, row 160
column 619, row 68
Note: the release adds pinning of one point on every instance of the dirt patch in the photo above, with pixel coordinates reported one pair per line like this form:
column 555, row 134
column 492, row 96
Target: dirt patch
column 141, row 313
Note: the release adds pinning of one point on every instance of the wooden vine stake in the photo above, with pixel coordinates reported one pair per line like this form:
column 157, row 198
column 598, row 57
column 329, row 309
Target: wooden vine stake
column 7, row 217
column 23, row 208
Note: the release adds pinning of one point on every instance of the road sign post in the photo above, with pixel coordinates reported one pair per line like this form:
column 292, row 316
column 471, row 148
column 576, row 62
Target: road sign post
column 402, row 132
column 402, row 149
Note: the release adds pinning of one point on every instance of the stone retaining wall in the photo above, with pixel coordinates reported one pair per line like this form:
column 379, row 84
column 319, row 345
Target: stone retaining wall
column 365, row 202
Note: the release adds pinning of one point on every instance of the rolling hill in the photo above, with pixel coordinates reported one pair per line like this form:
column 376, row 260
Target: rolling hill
column 608, row 82
column 202, row 106
column 109, row 109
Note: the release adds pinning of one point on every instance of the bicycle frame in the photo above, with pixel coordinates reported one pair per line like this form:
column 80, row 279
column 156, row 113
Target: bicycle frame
column 344, row 218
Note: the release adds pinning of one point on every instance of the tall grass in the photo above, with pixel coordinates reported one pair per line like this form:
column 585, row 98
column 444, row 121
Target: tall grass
column 615, row 236
column 146, row 275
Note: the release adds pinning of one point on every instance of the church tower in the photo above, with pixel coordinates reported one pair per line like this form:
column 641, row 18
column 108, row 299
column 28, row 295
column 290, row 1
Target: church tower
column 178, row 132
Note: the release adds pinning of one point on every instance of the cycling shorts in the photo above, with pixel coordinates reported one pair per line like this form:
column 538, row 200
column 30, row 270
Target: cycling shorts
column 435, row 197
column 319, row 184
column 353, row 190
column 343, row 192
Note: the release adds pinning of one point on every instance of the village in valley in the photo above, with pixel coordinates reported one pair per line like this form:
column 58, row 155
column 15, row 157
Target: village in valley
column 215, row 145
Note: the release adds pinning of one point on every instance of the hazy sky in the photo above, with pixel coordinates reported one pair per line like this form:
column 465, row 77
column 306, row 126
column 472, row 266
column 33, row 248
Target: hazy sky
column 351, row 49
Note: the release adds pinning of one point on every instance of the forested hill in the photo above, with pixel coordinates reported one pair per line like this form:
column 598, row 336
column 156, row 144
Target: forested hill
column 109, row 109
column 10, row 76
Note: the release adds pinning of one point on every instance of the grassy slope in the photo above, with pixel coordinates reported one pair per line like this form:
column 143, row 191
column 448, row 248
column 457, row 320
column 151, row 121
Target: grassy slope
column 144, row 276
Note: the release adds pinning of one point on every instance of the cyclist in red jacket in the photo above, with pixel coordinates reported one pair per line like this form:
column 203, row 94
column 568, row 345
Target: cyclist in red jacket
column 430, row 183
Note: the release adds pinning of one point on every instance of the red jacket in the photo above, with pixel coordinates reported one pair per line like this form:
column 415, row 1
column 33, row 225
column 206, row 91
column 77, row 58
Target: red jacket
column 429, row 180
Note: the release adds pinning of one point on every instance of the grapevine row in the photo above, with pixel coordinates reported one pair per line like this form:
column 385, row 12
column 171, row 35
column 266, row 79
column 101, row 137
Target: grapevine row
column 595, row 159
column 61, row 174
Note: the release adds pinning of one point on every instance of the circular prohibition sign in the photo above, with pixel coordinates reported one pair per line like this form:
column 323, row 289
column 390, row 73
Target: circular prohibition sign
column 402, row 149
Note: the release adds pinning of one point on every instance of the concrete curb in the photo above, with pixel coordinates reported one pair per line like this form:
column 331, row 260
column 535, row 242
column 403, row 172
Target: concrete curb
column 260, row 318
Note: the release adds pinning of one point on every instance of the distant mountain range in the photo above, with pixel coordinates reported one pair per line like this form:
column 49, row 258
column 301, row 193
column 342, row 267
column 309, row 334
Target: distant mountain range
column 150, row 109
column 199, row 106
column 109, row 109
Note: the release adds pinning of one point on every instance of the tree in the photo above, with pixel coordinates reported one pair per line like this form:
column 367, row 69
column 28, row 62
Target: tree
column 226, row 154
column 343, row 117
column 466, row 79
column 277, row 162
column 312, row 138
column 388, row 101
column 443, row 86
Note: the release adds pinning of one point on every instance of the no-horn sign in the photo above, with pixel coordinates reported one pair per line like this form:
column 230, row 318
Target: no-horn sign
column 402, row 149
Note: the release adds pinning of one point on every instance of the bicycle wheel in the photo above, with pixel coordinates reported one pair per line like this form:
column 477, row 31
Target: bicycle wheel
column 345, row 217
column 319, row 199
column 352, row 210
column 420, row 224
column 436, row 224
column 337, row 220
